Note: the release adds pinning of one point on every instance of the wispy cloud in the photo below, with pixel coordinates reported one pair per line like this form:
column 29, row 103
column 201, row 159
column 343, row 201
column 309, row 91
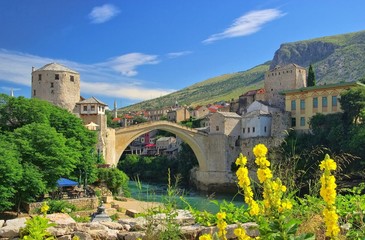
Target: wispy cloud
column 100, row 79
column 127, row 64
column 247, row 24
column 103, row 13
column 178, row 54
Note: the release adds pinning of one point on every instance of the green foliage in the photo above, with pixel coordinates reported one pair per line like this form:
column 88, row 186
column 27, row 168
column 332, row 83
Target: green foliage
column 154, row 168
column 31, row 186
column 115, row 180
column 351, row 209
column 10, row 173
column 311, row 79
column 36, row 229
column 60, row 206
column 43, row 143
column 80, row 219
column 353, row 104
column 46, row 149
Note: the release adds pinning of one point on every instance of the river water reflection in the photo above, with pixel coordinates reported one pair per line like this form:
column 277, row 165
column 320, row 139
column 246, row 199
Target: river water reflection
column 198, row 200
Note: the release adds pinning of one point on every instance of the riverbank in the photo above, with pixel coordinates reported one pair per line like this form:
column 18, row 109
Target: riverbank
column 129, row 205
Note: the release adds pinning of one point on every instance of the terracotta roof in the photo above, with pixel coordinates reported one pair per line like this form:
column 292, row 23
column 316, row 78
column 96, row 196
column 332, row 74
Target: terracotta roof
column 92, row 100
column 56, row 67
column 116, row 119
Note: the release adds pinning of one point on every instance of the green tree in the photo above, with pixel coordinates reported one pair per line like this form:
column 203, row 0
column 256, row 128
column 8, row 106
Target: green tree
column 10, row 173
column 31, row 186
column 311, row 79
column 115, row 180
column 353, row 104
column 43, row 147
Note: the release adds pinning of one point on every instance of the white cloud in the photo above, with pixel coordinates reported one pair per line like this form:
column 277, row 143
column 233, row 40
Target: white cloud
column 127, row 64
column 178, row 54
column 247, row 24
column 101, row 79
column 103, row 13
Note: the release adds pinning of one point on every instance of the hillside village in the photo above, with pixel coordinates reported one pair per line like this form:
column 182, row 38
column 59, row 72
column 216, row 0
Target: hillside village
column 257, row 116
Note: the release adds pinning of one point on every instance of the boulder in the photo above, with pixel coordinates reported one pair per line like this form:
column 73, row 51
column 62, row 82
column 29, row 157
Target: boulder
column 11, row 228
column 61, row 219
column 83, row 235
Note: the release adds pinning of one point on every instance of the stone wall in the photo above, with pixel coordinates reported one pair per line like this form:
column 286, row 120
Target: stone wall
column 80, row 203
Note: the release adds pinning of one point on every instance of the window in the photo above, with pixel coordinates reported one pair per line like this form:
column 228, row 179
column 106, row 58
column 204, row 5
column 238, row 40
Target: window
column 324, row 101
column 34, row 93
column 52, row 85
column 253, row 129
column 243, row 130
column 315, row 102
column 334, row 101
column 248, row 130
column 39, row 77
column 72, row 79
column 265, row 128
column 293, row 105
column 217, row 128
column 85, row 108
column 302, row 121
column 92, row 108
column 52, row 91
column 293, row 122
column 302, row 104
column 57, row 76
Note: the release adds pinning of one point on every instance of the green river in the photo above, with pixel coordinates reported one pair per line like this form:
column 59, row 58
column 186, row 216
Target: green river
column 198, row 200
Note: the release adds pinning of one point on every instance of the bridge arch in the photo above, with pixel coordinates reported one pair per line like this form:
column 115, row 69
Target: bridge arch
column 196, row 140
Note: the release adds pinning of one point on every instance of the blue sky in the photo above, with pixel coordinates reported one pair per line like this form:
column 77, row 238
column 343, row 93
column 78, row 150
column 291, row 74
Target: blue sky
column 141, row 49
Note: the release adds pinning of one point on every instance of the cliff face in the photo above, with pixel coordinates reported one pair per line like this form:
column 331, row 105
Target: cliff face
column 302, row 53
column 336, row 58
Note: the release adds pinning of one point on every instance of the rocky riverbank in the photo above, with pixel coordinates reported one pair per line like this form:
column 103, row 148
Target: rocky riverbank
column 125, row 229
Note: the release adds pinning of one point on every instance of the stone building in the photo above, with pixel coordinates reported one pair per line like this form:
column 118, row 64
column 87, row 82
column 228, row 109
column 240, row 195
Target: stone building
column 60, row 86
column 304, row 103
column 56, row 84
column 179, row 114
column 283, row 78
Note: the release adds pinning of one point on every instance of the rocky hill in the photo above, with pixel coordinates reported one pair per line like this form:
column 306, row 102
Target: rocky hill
column 334, row 58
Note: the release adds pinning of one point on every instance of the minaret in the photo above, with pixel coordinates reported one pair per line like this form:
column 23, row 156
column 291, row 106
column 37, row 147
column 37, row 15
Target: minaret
column 115, row 109
column 12, row 92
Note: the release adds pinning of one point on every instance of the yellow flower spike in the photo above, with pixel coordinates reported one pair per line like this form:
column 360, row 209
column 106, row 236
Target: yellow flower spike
column 260, row 150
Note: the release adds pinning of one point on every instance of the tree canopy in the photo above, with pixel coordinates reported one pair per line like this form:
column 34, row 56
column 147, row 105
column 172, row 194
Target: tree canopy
column 40, row 143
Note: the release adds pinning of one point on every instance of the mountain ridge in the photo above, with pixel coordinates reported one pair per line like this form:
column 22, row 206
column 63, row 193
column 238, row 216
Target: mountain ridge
column 335, row 59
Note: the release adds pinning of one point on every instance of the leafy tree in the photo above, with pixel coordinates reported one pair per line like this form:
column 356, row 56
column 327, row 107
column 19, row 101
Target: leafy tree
column 10, row 173
column 17, row 112
column 31, row 186
column 43, row 147
column 114, row 179
column 353, row 104
column 311, row 79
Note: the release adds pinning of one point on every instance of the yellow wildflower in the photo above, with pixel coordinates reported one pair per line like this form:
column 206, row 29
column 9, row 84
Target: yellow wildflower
column 221, row 215
column 241, row 160
column 328, row 193
column 205, row 237
column 264, row 174
column 328, row 164
column 241, row 234
column 44, row 208
column 260, row 150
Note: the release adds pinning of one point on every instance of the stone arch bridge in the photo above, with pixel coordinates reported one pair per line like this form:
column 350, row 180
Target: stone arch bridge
column 211, row 152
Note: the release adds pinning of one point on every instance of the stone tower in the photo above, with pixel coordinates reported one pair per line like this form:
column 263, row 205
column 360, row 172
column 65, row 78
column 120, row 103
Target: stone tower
column 291, row 76
column 56, row 84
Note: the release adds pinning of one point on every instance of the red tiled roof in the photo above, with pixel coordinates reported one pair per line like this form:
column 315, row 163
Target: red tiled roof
column 116, row 119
